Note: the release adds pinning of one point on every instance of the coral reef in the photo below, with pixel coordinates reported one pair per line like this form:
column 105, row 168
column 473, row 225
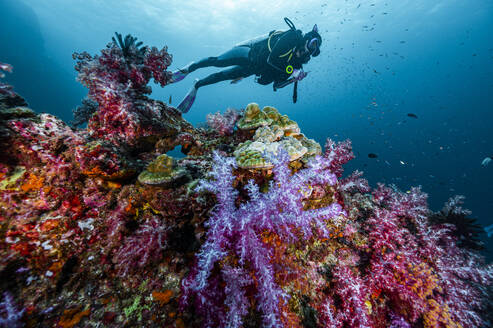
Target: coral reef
column 256, row 226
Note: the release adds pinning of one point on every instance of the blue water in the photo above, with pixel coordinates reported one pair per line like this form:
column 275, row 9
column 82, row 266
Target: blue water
column 379, row 61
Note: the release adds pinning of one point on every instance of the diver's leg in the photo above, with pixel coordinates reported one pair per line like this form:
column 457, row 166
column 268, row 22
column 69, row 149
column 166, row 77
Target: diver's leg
column 228, row 74
column 235, row 56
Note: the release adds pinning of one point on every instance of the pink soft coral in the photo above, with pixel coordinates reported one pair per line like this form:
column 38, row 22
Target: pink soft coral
column 223, row 123
column 117, row 80
column 141, row 248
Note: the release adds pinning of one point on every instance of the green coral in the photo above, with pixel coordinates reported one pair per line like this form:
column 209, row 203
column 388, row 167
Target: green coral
column 289, row 126
column 135, row 306
column 249, row 155
column 268, row 133
column 313, row 147
column 16, row 113
column 8, row 183
column 253, row 118
column 162, row 172
column 271, row 113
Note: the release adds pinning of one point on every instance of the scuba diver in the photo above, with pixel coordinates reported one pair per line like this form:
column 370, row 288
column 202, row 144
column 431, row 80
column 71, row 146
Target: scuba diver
column 277, row 57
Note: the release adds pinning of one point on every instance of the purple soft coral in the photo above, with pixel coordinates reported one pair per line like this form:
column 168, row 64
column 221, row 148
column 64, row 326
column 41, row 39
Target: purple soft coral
column 9, row 315
column 238, row 230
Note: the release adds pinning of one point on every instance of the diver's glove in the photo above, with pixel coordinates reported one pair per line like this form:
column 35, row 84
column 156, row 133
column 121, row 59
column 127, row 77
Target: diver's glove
column 298, row 75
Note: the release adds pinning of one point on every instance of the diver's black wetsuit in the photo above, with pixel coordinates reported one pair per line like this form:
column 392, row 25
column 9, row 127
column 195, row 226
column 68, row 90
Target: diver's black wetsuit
column 267, row 58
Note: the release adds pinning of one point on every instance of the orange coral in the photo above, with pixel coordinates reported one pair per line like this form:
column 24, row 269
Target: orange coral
column 71, row 317
column 162, row 297
column 438, row 316
column 179, row 323
column 49, row 224
column 33, row 183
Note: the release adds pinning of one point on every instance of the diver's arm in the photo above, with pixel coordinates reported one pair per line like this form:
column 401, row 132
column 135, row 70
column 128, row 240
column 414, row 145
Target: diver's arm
column 286, row 43
column 282, row 84
column 298, row 75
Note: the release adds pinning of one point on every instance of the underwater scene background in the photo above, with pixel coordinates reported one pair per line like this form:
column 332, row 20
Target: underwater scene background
column 408, row 82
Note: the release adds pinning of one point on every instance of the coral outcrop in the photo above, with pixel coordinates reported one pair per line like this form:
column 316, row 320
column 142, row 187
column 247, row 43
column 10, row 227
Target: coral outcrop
column 163, row 171
column 255, row 227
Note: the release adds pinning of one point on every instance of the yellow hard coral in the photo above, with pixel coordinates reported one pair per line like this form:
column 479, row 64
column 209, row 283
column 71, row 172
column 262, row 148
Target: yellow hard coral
column 250, row 154
column 8, row 182
column 161, row 172
column 253, row 118
column 271, row 113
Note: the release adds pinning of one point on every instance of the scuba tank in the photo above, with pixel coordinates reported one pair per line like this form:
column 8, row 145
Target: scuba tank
column 264, row 37
column 251, row 42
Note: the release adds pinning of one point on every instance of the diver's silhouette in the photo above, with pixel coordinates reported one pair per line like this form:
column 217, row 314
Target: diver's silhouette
column 275, row 57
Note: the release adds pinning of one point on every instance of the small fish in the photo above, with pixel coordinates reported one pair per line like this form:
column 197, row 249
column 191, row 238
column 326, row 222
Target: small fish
column 372, row 155
column 403, row 41
column 486, row 161
column 169, row 101
column 402, row 162
column 412, row 115
column 489, row 230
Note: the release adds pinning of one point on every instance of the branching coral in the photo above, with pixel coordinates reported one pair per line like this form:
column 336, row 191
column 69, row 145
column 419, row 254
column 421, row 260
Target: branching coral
column 83, row 113
column 117, row 80
column 223, row 123
column 338, row 154
column 419, row 267
column 236, row 232
column 466, row 230
column 144, row 246
column 10, row 316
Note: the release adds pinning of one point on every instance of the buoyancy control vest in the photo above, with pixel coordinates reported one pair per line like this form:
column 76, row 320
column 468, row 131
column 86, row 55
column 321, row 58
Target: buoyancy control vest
column 261, row 47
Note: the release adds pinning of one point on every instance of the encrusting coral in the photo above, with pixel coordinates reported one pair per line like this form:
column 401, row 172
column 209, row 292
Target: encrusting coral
column 163, row 171
column 255, row 226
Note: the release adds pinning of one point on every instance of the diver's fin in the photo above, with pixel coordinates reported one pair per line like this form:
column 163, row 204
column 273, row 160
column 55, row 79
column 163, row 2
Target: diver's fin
column 180, row 74
column 189, row 99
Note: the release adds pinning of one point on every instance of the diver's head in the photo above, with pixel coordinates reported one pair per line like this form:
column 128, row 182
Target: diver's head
column 313, row 41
